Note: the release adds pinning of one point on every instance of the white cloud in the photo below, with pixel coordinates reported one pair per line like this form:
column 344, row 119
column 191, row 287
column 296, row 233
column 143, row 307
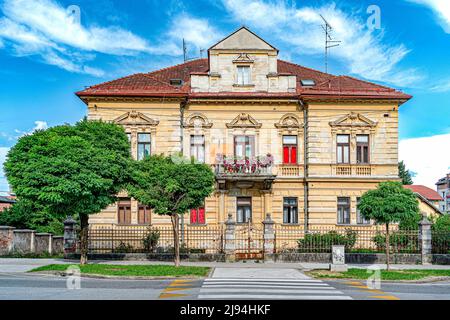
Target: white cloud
column 428, row 157
column 442, row 87
column 194, row 31
column 362, row 50
column 441, row 8
column 40, row 125
column 43, row 28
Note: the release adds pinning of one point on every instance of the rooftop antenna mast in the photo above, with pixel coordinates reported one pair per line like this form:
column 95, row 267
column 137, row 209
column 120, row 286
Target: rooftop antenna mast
column 184, row 51
column 329, row 42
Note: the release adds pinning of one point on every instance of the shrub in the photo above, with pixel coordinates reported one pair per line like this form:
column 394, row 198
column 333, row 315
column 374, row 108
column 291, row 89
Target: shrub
column 124, row 248
column 398, row 242
column 440, row 240
column 318, row 242
column 150, row 241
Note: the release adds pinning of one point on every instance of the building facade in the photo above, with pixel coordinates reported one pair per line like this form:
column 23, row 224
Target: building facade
column 443, row 188
column 282, row 139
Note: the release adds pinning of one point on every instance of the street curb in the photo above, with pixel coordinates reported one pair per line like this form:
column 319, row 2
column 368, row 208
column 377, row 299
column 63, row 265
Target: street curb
column 426, row 280
column 98, row 276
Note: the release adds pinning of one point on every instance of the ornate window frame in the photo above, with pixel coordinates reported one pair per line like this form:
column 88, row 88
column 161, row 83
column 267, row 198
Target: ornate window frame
column 290, row 125
column 352, row 124
column 197, row 124
column 135, row 122
column 243, row 125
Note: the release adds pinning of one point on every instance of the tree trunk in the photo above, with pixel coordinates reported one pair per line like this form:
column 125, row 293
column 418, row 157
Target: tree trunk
column 84, row 224
column 387, row 246
column 176, row 239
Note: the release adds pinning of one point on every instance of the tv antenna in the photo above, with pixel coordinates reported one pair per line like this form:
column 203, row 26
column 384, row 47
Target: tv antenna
column 329, row 41
column 185, row 52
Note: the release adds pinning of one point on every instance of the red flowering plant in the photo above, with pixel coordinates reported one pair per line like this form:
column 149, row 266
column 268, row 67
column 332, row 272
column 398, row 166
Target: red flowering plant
column 249, row 165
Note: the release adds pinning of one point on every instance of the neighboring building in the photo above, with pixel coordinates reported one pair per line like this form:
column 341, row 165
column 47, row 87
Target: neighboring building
column 331, row 138
column 443, row 188
column 6, row 202
column 429, row 200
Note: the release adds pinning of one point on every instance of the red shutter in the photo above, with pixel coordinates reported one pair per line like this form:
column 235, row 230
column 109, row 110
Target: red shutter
column 293, row 154
column 285, row 154
column 201, row 215
column 193, row 216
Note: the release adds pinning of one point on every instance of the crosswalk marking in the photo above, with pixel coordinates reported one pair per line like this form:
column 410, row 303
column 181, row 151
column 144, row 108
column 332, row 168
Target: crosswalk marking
column 252, row 288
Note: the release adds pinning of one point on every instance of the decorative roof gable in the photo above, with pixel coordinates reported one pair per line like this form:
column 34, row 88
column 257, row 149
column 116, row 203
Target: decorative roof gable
column 242, row 38
column 135, row 118
column 353, row 120
column 288, row 121
column 244, row 120
column 197, row 120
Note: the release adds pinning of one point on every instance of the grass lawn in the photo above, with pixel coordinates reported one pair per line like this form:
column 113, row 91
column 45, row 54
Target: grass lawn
column 354, row 273
column 131, row 270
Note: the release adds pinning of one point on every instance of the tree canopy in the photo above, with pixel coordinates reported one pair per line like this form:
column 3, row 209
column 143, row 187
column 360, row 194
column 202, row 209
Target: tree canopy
column 390, row 202
column 404, row 174
column 70, row 170
column 170, row 187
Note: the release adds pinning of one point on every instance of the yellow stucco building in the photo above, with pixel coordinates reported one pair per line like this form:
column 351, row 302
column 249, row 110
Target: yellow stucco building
column 314, row 142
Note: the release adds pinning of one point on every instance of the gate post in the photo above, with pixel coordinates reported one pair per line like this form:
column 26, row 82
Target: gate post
column 425, row 240
column 230, row 226
column 269, row 238
column 70, row 237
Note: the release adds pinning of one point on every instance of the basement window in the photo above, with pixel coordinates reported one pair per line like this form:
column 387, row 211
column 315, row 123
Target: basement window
column 307, row 82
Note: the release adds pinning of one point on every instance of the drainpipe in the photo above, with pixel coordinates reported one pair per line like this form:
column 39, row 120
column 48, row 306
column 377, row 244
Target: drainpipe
column 182, row 108
column 306, row 172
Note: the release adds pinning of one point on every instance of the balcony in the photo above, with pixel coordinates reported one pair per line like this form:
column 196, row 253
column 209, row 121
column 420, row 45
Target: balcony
column 244, row 172
column 352, row 170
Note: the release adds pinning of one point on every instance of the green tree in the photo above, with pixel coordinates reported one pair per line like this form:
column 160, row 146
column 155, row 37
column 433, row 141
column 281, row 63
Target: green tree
column 27, row 215
column 404, row 174
column 71, row 170
column 171, row 188
column 389, row 203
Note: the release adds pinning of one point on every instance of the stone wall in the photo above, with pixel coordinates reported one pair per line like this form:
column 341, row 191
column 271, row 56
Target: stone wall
column 24, row 241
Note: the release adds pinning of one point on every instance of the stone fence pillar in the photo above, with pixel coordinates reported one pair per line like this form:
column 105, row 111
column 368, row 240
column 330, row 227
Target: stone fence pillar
column 425, row 240
column 230, row 227
column 269, row 238
column 70, row 236
column 6, row 240
column 24, row 241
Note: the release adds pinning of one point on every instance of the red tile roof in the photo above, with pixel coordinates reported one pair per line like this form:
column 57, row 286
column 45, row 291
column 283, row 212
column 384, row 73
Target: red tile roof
column 426, row 192
column 157, row 84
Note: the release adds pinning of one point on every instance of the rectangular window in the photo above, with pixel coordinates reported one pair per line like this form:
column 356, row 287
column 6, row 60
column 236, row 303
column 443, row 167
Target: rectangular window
column 243, row 75
column 144, row 145
column 359, row 218
column 290, row 210
column 198, row 216
column 289, row 149
column 343, row 210
column 198, row 147
column 243, row 209
column 124, row 211
column 244, row 146
column 362, row 148
column 343, row 148
column 144, row 214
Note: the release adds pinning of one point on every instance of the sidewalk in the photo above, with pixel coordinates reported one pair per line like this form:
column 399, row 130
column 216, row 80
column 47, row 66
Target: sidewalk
column 24, row 265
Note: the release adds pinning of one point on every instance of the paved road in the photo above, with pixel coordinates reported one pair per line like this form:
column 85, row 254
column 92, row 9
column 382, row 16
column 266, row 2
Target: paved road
column 226, row 283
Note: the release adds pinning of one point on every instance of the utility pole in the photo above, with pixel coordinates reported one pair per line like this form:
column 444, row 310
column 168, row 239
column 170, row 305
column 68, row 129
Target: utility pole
column 329, row 42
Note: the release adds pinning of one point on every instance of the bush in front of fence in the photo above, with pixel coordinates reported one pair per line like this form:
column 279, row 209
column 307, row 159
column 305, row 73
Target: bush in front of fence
column 322, row 242
column 399, row 241
column 150, row 240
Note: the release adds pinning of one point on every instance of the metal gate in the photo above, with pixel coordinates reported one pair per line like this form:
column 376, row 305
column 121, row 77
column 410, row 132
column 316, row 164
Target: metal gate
column 249, row 241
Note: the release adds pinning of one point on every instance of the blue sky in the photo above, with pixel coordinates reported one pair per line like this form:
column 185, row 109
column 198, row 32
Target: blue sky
column 48, row 52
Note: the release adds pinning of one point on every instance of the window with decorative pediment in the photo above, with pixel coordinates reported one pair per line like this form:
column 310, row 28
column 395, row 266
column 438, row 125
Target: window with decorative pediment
column 357, row 131
column 140, row 130
column 197, row 136
column 289, row 128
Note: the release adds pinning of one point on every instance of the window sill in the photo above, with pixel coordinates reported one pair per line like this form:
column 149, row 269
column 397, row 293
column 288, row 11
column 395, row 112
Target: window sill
column 198, row 224
column 291, row 224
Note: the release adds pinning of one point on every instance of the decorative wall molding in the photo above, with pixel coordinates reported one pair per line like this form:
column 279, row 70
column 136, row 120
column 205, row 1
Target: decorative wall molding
column 197, row 120
column 289, row 121
column 135, row 118
column 353, row 120
column 244, row 120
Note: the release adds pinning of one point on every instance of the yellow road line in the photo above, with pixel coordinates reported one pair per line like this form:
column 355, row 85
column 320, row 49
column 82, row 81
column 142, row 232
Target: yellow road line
column 171, row 295
column 176, row 285
column 387, row 297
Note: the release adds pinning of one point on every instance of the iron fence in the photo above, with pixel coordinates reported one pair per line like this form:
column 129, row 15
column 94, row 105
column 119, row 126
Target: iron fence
column 154, row 239
column 293, row 238
column 440, row 241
